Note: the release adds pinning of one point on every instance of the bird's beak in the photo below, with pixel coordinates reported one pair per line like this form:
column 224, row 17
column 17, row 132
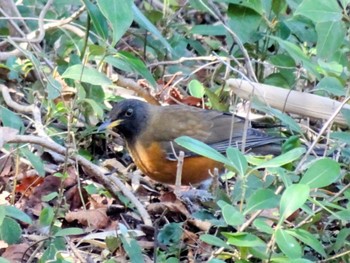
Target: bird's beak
column 108, row 124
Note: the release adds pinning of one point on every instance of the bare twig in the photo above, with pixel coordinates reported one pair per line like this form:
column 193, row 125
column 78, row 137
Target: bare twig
column 41, row 29
column 112, row 184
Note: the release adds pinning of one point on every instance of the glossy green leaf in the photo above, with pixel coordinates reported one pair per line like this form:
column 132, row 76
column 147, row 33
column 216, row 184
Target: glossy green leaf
column 4, row 260
column 95, row 107
column 209, row 30
column 288, row 244
column 49, row 197
column 278, row 6
column 143, row 21
column 53, row 87
column 85, row 74
column 297, row 54
column 119, row 14
column 15, row 213
column 285, row 119
column 231, row 215
column 330, row 37
column 35, row 160
column 10, row 231
column 196, row 88
column 343, row 236
column 136, row 65
column 214, row 241
column 46, row 216
column 201, row 148
column 242, row 239
column 320, row 10
column 69, row 231
column 283, row 159
column 133, row 249
column 262, row 225
column 292, row 199
column 331, row 85
column 170, row 233
column 244, row 22
column 261, row 199
column 321, row 173
column 238, row 160
column 98, row 20
column 2, row 213
column 341, row 136
column 308, row 239
column 10, row 119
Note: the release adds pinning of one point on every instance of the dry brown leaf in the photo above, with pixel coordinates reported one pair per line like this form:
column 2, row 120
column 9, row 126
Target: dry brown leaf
column 177, row 207
column 14, row 253
column 96, row 219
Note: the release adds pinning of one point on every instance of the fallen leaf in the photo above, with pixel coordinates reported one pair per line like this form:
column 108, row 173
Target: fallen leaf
column 15, row 253
column 97, row 219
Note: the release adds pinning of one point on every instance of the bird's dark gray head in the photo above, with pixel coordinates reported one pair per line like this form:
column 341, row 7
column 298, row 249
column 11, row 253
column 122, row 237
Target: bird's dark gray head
column 128, row 118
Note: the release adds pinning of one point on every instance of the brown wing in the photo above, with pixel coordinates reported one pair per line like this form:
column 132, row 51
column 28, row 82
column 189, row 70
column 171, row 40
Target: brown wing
column 208, row 126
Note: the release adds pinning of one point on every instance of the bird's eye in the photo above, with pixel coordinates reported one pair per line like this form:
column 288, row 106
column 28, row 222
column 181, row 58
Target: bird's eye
column 129, row 112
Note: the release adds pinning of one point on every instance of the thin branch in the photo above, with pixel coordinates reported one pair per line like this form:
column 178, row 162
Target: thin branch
column 112, row 184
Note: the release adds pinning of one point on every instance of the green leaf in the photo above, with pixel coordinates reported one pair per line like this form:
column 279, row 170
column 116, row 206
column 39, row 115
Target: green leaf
column 244, row 22
column 341, row 136
column 84, row 74
column 231, row 215
column 321, row 173
column 98, row 20
column 46, row 216
column 261, row 199
column 278, row 6
column 263, row 226
column 330, row 37
column 119, row 14
column 297, row 54
column 15, row 213
column 2, row 213
column 209, row 30
column 133, row 249
column 283, row 159
column 35, row 160
column 69, row 231
column 10, row 231
column 4, row 260
column 54, row 88
column 49, row 197
column 96, row 108
column 309, row 239
column 287, row 120
column 143, row 21
column 214, row 241
column 10, row 119
column 331, row 85
column 288, row 244
column 201, row 148
column 243, row 240
column 137, row 65
column 196, row 88
column 292, row 199
column 170, row 234
column 238, row 160
column 320, row 10
column 342, row 237
column 255, row 5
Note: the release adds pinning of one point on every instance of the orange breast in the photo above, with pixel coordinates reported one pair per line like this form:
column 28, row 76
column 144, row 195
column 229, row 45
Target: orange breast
column 152, row 161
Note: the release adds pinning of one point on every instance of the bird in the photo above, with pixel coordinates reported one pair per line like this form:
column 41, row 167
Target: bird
column 150, row 130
